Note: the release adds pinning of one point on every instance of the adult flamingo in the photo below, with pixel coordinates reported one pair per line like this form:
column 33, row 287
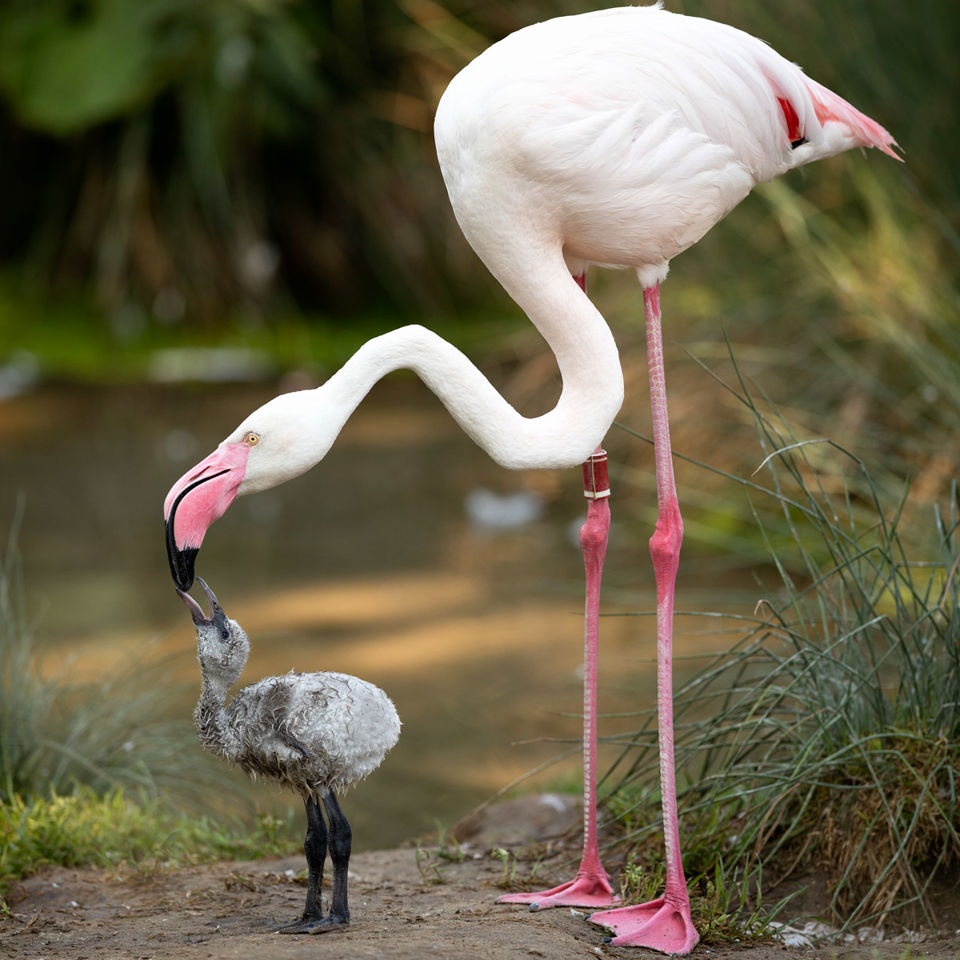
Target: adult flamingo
column 613, row 138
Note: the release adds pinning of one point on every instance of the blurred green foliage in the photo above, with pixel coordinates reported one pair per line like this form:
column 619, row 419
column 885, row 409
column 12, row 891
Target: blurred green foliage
column 195, row 160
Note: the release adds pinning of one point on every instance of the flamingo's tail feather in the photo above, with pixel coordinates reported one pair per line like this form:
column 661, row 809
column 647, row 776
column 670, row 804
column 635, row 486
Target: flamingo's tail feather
column 830, row 107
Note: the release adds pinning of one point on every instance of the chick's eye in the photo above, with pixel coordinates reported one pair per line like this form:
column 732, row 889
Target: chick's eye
column 225, row 634
column 251, row 439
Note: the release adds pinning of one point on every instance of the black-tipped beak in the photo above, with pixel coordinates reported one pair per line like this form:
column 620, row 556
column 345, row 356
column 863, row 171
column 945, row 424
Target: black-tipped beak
column 181, row 561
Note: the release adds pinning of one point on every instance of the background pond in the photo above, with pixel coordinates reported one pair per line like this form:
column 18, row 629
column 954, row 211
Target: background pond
column 371, row 564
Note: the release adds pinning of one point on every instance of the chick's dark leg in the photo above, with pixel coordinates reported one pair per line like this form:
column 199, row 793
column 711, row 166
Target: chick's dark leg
column 315, row 848
column 340, row 841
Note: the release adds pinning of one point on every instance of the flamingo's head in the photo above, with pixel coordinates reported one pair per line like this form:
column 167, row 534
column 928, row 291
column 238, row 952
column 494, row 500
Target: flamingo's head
column 277, row 442
column 222, row 644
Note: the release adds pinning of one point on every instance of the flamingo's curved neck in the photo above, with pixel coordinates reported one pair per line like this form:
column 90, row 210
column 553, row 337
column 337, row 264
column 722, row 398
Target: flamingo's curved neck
column 565, row 436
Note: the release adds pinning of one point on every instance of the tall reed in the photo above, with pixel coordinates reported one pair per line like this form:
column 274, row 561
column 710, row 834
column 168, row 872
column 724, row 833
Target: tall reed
column 826, row 742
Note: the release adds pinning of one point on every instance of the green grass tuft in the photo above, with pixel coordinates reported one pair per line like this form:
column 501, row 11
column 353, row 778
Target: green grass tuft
column 113, row 830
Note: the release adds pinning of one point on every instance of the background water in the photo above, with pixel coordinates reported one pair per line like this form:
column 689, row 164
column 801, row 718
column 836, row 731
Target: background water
column 368, row 564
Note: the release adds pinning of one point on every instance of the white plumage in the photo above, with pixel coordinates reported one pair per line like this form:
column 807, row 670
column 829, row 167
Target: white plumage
column 619, row 137
column 316, row 733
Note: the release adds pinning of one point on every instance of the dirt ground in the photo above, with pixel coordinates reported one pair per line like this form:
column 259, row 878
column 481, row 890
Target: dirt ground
column 405, row 904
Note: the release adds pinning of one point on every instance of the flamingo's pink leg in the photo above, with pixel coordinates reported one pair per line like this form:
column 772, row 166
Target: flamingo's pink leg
column 591, row 886
column 663, row 924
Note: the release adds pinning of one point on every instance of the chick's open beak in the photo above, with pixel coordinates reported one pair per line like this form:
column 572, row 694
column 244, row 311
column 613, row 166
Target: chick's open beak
column 200, row 619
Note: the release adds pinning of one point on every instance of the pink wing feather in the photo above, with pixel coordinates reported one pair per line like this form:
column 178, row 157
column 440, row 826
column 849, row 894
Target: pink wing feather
column 829, row 106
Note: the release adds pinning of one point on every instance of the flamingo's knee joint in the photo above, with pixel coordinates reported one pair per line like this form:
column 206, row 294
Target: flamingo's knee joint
column 667, row 538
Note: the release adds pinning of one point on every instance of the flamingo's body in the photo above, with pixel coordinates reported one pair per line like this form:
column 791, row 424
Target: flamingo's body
column 315, row 733
column 620, row 137
column 615, row 138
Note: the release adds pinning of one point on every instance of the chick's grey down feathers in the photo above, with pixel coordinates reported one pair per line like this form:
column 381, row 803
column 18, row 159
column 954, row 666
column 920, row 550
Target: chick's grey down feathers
column 311, row 732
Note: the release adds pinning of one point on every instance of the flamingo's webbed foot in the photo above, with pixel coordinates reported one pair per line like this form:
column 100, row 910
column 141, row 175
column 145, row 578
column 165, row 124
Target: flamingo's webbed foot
column 332, row 922
column 302, row 925
column 314, row 925
column 659, row 925
column 589, row 890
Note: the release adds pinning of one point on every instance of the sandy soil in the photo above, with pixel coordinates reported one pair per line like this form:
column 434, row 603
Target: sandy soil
column 405, row 904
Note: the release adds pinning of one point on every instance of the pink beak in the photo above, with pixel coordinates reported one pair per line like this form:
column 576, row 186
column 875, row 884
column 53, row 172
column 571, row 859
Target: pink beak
column 199, row 497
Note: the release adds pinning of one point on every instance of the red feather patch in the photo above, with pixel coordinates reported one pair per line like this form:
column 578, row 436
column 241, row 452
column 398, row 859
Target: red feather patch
column 793, row 121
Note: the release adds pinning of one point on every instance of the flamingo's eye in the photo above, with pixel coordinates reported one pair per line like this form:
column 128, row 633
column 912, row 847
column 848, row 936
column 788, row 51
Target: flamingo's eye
column 251, row 439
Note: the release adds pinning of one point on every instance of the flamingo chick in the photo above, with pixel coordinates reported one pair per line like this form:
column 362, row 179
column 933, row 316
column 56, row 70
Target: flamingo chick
column 316, row 733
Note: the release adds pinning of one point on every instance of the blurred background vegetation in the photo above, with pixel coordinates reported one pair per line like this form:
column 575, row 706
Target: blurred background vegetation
column 179, row 162
column 261, row 174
